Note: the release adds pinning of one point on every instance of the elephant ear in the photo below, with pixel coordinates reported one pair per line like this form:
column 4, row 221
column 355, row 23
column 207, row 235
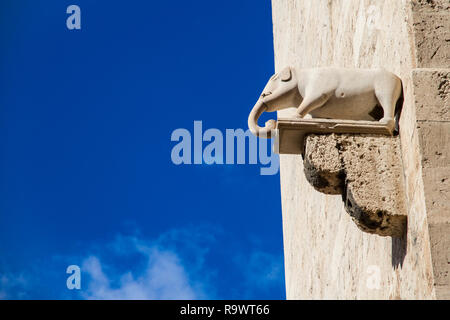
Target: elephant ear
column 286, row 75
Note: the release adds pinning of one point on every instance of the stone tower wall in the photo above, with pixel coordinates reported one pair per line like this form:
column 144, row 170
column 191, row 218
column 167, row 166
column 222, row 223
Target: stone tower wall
column 326, row 255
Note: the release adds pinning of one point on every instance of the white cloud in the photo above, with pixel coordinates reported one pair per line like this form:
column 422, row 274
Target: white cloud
column 162, row 274
column 184, row 263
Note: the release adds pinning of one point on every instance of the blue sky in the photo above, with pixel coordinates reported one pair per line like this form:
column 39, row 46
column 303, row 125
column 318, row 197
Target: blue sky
column 86, row 177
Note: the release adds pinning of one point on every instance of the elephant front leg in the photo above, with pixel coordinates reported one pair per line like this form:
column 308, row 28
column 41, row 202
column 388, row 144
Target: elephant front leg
column 311, row 103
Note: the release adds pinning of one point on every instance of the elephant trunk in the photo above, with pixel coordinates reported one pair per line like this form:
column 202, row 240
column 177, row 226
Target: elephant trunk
column 256, row 112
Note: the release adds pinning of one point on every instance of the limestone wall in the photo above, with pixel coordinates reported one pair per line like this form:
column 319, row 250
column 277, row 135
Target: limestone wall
column 326, row 255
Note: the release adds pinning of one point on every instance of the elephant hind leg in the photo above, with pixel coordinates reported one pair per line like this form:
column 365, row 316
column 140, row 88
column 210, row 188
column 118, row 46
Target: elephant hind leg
column 388, row 91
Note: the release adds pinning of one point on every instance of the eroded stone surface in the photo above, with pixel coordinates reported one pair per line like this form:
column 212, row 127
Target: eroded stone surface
column 430, row 5
column 440, row 244
column 432, row 37
column 323, row 166
column 432, row 94
column 432, row 100
column 367, row 171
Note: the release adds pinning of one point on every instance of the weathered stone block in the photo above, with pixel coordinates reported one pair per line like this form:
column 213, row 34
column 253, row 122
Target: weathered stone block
column 440, row 244
column 432, row 94
column 434, row 139
column 368, row 171
column 432, row 38
column 436, row 183
column 323, row 166
column 428, row 6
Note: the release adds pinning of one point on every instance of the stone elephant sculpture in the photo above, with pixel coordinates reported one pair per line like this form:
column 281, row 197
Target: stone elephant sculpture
column 330, row 93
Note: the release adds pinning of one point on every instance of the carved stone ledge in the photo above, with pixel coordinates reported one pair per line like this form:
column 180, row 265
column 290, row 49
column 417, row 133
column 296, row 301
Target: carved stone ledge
column 367, row 170
column 291, row 132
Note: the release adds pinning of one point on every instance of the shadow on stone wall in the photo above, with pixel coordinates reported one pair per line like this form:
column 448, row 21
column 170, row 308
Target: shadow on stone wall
column 399, row 249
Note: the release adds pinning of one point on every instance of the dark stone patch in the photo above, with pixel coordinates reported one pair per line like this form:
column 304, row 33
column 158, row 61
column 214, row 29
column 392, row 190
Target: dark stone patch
column 377, row 112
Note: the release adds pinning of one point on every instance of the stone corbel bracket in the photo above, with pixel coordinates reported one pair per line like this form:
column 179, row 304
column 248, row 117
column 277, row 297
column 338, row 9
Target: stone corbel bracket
column 291, row 132
column 360, row 160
